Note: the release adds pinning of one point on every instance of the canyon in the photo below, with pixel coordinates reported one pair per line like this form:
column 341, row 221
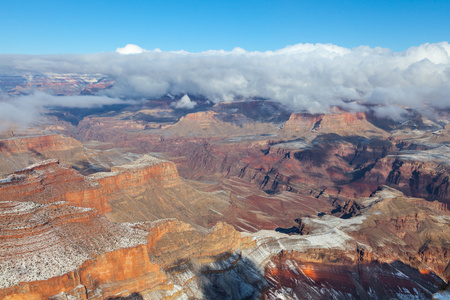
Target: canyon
column 241, row 200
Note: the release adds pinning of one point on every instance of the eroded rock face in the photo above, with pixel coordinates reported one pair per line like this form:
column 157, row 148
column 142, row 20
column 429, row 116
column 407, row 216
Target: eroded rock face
column 146, row 169
column 210, row 124
column 19, row 152
column 86, row 256
column 395, row 227
column 294, row 277
column 342, row 123
column 174, row 254
column 260, row 181
column 45, row 243
column 49, row 182
column 147, row 189
column 419, row 174
column 416, row 234
column 46, row 143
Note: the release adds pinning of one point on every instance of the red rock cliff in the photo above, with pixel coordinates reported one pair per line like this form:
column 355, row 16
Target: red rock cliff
column 48, row 182
column 40, row 144
column 144, row 170
column 342, row 123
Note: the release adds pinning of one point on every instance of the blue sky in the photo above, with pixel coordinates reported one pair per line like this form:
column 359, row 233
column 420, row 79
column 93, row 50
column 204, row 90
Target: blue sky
column 51, row 27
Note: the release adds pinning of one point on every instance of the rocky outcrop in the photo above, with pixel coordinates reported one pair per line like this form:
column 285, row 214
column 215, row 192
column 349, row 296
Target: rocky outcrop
column 168, row 257
column 302, row 123
column 210, row 124
column 173, row 242
column 19, row 152
column 174, row 252
column 395, row 228
column 416, row 173
column 54, row 244
column 112, row 274
column 50, row 182
column 147, row 189
column 41, row 144
column 145, row 170
column 401, row 225
column 293, row 276
column 341, row 123
column 42, row 246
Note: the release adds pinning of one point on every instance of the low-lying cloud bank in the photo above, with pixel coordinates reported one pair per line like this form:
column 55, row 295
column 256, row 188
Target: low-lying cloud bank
column 24, row 110
column 304, row 76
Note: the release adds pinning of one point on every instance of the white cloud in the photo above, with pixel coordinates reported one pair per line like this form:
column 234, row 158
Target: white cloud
column 25, row 110
column 130, row 49
column 311, row 77
column 184, row 102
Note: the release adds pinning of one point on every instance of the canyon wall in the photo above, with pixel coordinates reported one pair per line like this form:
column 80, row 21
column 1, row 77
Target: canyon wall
column 19, row 152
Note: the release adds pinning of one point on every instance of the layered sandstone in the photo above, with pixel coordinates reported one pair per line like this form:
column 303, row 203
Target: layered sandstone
column 173, row 253
column 419, row 234
column 173, row 242
column 395, row 228
column 49, row 182
column 292, row 276
column 145, row 170
column 46, row 143
column 149, row 189
column 416, row 173
column 43, row 244
column 341, row 123
column 210, row 124
column 382, row 236
column 169, row 257
column 19, row 152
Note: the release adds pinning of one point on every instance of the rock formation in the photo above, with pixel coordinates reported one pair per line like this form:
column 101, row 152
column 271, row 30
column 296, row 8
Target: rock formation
column 342, row 184
column 44, row 244
column 50, row 182
column 19, row 152
column 211, row 124
column 169, row 258
column 416, row 173
column 149, row 189
column 341, row 123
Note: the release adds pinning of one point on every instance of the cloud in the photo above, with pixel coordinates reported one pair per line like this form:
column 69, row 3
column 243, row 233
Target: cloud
column 304, row 77
column 26, row 110
column 184, row 102
column 392, row 112
column 130, row 49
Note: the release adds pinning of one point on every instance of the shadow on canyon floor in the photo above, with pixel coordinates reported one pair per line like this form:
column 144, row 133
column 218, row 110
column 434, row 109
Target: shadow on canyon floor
column 134, row 296
column 297, row 279
column 234, row 278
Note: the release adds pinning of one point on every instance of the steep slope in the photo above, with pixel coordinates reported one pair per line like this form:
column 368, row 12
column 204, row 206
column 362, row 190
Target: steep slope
column 50, row 241
column 149, row 189
column 53, row 249
column 418, row 173
column 54, row 244
column 178, row 260
column 49, row 182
